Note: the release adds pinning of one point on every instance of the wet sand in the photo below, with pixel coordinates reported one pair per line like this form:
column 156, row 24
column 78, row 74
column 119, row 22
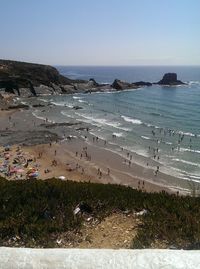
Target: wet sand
column 77, row 155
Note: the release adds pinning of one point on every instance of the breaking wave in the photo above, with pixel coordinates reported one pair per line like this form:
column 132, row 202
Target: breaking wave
column 145, row 137
column 186, row 162
column 64, row 104
column 101, row 122
column 42, row 118
column 118, row 134
column 189, row 150
column 134, row 121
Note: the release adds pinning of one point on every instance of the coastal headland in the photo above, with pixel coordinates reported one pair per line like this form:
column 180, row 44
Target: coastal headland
column 29, row 79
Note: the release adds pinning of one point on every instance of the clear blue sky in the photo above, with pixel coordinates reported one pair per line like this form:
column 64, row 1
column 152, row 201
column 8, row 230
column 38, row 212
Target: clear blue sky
column 101, row 32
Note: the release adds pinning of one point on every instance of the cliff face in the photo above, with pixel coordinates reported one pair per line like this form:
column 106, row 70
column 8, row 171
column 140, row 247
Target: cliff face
column 15, row 76
column 26, row 79
column 37, row 74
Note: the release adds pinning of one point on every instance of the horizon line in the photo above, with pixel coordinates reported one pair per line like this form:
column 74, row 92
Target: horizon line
column 106, row 65
column 123, row 65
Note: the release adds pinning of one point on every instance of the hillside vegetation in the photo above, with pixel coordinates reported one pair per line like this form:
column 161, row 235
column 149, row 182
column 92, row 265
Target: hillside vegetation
column 34, row 210
column 36, row 73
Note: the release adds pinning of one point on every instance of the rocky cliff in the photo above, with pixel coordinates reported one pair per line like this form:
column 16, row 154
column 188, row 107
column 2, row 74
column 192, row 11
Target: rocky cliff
column 170, row 79
column 36, row 73
column 15, row 76
column 30, row 79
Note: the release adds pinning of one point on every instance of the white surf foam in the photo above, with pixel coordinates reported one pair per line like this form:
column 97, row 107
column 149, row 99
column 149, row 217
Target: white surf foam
column 186, row 133
column 42, row 118
column 141, row 152
column 66, row 114
column 151, row 125
column 97, row 135
column 186, row 162
column 134, row 121
column 43, row 100
column 195, row 177
column 38, row 117
column 82, row 101
column 64, row 104
column 58, row 103
column 168, row 143
column 145, row 137
column 118, row 134
column 193, row 82
column 125, row 129
column 191, row 178
column 24, row 103
column 189, row 150
column 101, row 122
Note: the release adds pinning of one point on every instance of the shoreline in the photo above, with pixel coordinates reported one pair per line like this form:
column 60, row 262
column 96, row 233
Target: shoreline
column 82, row 169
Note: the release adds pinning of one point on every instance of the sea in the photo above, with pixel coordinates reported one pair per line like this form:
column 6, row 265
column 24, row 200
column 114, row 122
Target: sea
column 157, row 122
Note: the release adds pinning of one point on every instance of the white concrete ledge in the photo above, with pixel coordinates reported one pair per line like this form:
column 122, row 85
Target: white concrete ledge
column 26, row 258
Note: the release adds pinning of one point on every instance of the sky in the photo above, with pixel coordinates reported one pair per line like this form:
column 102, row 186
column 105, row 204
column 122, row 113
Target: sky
column 101, row 32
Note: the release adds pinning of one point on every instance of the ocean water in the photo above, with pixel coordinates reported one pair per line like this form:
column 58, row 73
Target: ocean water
column 129, row 73
column 149, row 121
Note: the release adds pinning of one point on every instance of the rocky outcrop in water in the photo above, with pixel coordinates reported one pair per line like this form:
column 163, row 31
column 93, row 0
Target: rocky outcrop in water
column 142, row 84
column 93, row 82
column 121, row 85
column 170, row 79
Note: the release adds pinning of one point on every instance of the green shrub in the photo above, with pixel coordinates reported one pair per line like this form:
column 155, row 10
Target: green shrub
column 36, row 209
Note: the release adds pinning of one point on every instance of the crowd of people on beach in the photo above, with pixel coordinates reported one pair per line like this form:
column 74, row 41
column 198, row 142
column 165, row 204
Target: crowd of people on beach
column 154, row 161
column 177, row 138
column 29, row 166
column 84, row 155
column 17, row 164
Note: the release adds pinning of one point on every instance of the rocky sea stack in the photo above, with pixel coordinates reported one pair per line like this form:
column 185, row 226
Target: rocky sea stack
column 170, row 79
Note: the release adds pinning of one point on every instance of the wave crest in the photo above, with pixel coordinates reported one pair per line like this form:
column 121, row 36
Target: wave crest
column 134, row 121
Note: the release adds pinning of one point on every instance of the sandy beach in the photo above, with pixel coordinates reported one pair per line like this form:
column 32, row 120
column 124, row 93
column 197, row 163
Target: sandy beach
column 76, row 155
